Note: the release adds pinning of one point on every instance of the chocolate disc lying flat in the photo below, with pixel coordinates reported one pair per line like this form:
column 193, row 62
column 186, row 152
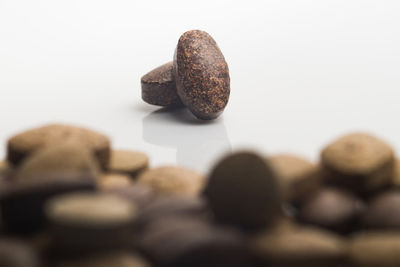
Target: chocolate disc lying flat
column 159, row 88
column 27, row 143
column 201, row 74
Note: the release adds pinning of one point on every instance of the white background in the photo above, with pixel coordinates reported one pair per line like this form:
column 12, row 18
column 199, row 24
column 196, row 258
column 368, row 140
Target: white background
column 302, row 72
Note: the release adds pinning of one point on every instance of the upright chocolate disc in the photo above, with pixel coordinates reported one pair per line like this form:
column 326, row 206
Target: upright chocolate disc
column 201, row 74
column 158, row 87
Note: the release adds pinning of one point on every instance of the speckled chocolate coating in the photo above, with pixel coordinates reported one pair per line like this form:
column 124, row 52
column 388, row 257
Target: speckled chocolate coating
column 158, row 87
column 201, row 74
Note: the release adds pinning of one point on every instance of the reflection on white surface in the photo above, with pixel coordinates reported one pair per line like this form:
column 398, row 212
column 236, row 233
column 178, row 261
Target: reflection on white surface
column 197, row 143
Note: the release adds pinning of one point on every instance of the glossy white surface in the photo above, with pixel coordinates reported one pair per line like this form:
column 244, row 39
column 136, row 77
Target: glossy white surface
column 302, row 72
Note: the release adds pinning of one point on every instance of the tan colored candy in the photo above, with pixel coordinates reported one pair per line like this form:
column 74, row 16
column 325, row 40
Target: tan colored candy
column 297, row 177
column 114, row 181
column 118, row 259
column 90, row 209
column 358, row 161
column 128, row 162
column 396, row 173
column 173, row 180
column 305, row 247
column 375, row 249
column 63, row 159
column 4, row 166
column 27, row 143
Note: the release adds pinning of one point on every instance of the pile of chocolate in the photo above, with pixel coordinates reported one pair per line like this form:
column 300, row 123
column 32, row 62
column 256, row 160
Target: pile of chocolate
column 68, row 199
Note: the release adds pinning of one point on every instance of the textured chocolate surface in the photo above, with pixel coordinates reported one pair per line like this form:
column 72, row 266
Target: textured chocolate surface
column 201, row 74
column 159, row 88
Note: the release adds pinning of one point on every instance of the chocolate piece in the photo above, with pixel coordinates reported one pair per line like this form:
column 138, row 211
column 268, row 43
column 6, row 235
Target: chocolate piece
column 67, row 159
column 384, row 211
column 159, row 88
column 83, row 223
column 115, row 259
column 297, row 178
column 15, row 253
column 332, row 208
column 139, row 194
column 303, row 247
column 113, row 181
column 166, row 206
column 182, row 242
column 172, row 180
column 396, row 174
column 373, row 249
column 128, row 162
column 27, row 143
column 242, row 190
column 201, row 74
column 22, row 200
column 359, row 162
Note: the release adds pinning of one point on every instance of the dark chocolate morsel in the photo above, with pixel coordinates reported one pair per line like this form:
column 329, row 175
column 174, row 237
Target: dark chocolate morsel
column 201, row 74
column 159, row 88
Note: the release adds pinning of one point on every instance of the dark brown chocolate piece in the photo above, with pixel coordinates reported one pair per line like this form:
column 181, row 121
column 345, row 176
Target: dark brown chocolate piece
column 159, row 88
column 242, row 190
column 23, row 200
column 24, row 144
column 384, row 211
column 201, row 74
column 332, row 208
column 183, row 242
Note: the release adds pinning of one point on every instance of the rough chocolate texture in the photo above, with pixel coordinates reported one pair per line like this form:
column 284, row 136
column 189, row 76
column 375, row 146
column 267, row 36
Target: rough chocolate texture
column 159, row 88
column 201, row 74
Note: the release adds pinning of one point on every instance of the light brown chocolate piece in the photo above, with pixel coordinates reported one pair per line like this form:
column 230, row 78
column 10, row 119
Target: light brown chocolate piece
column 375, row 249
column 173, row 180
column 303, row 247
column 359, row 162
column 396, row 174
column 159, row 88
column 67, row 159
column 114, row 181
column 128, row 162
column 201, row 74
column 24, row 144
column 297, row 178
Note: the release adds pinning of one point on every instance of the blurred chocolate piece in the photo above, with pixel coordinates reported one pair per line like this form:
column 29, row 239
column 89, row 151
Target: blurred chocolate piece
column 360, row 162
column 24, row 144
column 113, row 181
column 166, row 206
column 300, row 247
column 22, row 200
column 114, row 259
column 182, row 242
column 172, row 180
column 396, row 174
column 373, row 249
column 84, row 223
column 16, row 253
column 67, row 159
column 128, row 162
column 139, row 194
column 384, row 211
column 242, row 190
column 201, row 74
column 332, row 208
column 159, row 88
column 297, row 178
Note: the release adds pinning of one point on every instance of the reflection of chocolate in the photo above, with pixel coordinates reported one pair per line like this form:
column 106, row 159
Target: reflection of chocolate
column 198, row 144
